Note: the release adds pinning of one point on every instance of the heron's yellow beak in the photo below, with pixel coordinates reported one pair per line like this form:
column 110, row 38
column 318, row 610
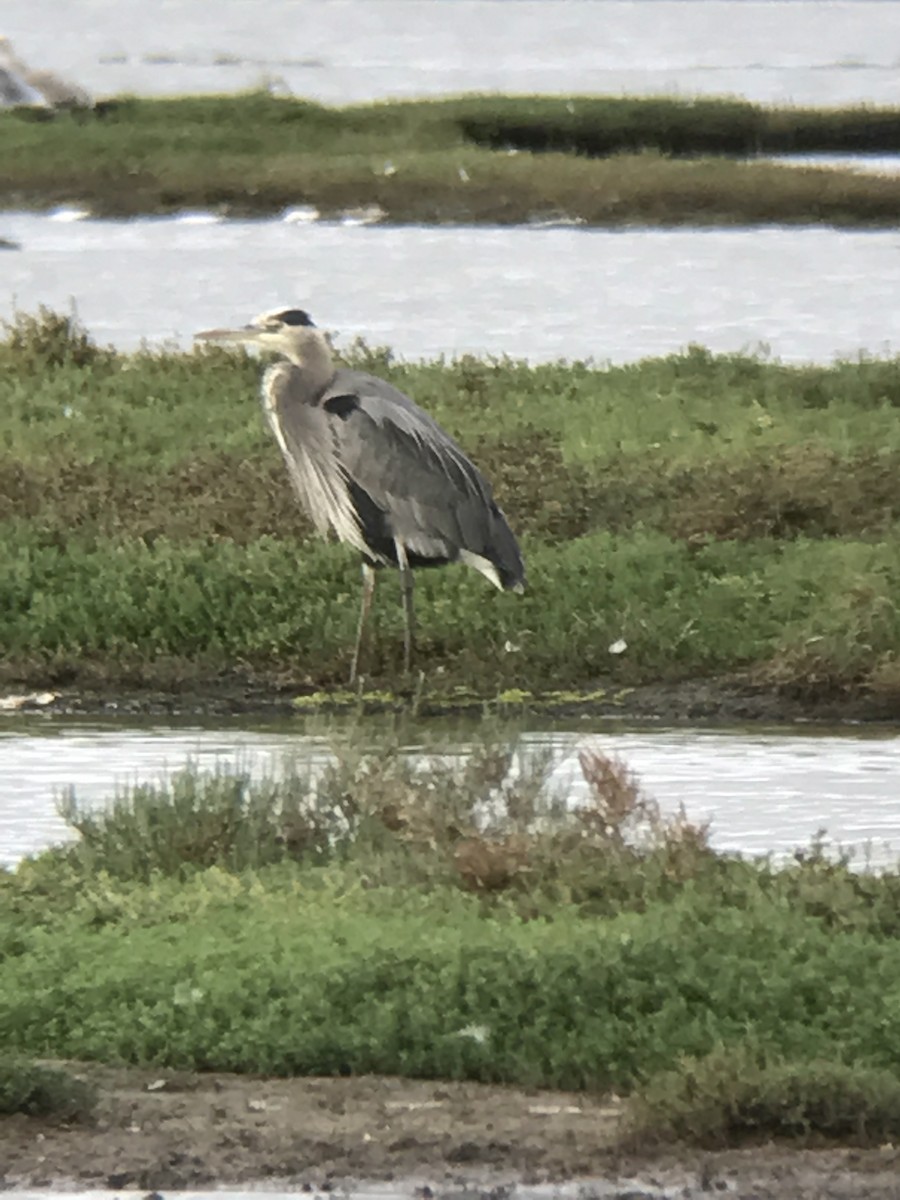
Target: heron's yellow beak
column 247, row 333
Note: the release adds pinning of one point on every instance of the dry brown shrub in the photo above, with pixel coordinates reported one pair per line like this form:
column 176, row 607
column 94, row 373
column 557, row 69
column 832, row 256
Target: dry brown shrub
column 621, row 817
column 884, row 678
column 491, row 864
column 617, row 801
column 490, row 822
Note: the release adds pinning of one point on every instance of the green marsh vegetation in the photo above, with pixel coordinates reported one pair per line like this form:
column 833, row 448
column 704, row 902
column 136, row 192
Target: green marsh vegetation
column 457, row 919
column 725, row 516
column 607, row 161
column 38, row 1090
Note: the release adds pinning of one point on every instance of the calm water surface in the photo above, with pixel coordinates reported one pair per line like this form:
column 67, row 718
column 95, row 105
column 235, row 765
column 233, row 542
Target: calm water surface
column 763, row 791
column 350, row 50
column 535, row 294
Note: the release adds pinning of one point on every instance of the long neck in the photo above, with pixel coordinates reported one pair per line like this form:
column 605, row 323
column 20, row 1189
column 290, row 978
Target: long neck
column 312, row 355
column 9, row 60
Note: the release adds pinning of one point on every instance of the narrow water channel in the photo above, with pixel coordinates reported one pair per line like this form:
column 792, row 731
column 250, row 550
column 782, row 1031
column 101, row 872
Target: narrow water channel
column 531, row 293
column 763, row 790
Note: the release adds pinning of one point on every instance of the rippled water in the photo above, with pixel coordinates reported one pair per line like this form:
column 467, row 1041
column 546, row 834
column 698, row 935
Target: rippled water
column 807, row 294
column 763, row 791
column 348, row 50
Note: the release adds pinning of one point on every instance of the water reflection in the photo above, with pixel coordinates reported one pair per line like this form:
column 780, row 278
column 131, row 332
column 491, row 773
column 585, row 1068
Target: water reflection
column 763, row 791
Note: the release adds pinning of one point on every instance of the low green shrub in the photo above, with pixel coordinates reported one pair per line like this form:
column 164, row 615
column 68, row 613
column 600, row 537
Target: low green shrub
column 287, row 973
column 461, row 919
column 718, row 514
column 737, row 1093
column 49, row 340
column 36, row 1090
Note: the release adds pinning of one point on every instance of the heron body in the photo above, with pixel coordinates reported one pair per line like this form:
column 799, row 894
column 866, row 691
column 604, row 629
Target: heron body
column 373, row 468
column 20, row 85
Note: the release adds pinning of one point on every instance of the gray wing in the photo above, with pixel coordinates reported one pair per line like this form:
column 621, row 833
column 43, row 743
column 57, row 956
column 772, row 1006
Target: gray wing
column 409, row 480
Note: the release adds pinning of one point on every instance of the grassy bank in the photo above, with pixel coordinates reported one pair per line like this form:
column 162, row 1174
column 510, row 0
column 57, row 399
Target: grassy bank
column 606, row 161
column 367, row 920
column 721, row 515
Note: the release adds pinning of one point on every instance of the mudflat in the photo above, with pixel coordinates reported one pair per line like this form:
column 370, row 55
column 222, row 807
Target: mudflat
column 164, row 1130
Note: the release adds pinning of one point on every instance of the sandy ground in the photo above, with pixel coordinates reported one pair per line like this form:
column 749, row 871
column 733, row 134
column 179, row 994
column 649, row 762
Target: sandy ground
column 162, row 1130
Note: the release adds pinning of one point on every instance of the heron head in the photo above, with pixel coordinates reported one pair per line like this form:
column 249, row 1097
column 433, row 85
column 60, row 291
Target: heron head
column 283, row 330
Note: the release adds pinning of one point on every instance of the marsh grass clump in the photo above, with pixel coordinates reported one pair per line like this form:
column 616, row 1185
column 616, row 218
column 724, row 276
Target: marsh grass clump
column 605, row 160
column 799, row 490
column 615, row 850
column 570, row 501
column 602, row 126
column 35, row 343
column 287, row 970
column 725, row 515
column 377, row 808
column 360, row 356
column 740, row 1093
column 195, row 821
column 487, row 822
column 35, row 1090
column 453, row 916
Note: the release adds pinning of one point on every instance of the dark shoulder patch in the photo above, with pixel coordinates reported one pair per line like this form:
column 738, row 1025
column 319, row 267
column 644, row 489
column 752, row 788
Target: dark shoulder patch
column 341, row 406
column 295, row 316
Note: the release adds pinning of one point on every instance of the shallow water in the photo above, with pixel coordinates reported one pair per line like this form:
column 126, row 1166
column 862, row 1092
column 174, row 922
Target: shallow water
column 866, row 164
column 350, row 50
column 528, row 293
column 764, row 791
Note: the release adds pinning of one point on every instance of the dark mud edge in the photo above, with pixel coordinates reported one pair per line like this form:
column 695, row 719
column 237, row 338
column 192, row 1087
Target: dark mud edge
column 709, row 701
column 378, row 1138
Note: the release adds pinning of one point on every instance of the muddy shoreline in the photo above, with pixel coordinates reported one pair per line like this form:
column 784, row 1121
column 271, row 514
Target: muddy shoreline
column 158, row 1130
column 711, row 702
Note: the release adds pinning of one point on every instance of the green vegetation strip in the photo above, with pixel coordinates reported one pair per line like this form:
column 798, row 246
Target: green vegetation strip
column 368, row 919
column 605, row 161
column 720, row 515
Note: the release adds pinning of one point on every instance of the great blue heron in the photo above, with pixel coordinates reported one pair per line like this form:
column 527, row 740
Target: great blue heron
column 368, row 464
column 20, row 85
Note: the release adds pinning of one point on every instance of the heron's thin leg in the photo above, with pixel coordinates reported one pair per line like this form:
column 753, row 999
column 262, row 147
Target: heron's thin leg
column 406, row 583
column 368, row 591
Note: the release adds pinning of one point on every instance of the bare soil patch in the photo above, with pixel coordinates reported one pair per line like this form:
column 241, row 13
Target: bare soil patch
column 162, row 1130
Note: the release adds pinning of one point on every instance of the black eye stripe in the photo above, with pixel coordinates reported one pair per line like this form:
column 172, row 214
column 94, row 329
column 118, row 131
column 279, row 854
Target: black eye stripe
column 294, row 316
